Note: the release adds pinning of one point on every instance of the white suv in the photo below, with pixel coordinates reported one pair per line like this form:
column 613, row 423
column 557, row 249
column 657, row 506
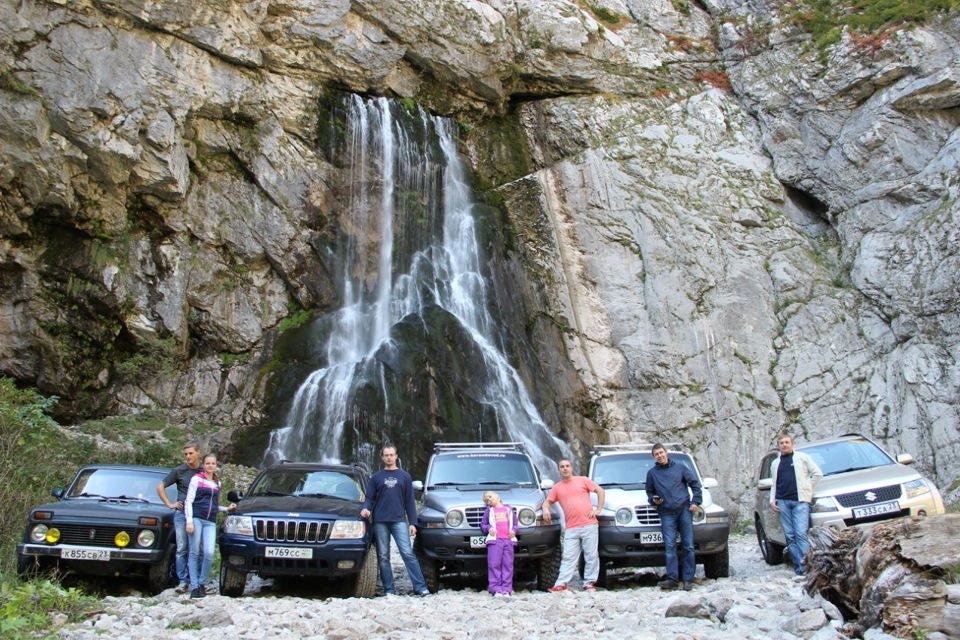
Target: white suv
column 861, row 484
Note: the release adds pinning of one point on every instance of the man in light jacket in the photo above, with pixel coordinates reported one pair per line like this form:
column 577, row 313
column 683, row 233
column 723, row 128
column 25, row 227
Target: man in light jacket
column 795, row 476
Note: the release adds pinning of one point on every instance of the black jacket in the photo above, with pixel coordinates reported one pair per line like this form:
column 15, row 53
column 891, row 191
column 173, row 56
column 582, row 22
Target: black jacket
column 670, row 482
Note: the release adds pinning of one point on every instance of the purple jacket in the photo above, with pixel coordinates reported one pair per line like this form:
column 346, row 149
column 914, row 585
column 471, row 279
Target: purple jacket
column 486, row 525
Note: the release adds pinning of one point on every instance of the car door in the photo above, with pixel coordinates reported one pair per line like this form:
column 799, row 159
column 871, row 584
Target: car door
column 768, row 518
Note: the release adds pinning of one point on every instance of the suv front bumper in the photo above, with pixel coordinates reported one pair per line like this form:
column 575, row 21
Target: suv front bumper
column 447, row 544
column 339, row 558
column 146, row 556
column 623, row 544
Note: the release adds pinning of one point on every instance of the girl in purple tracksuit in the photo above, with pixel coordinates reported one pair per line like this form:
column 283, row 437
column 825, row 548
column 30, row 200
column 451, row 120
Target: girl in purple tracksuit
column 500, row 524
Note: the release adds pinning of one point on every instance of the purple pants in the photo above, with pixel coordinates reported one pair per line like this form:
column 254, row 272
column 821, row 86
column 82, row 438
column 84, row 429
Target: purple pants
column 500, row 566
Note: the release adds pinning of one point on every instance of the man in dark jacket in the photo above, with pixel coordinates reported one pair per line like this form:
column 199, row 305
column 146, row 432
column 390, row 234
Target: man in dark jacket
column 181, row 476
column 667, row 487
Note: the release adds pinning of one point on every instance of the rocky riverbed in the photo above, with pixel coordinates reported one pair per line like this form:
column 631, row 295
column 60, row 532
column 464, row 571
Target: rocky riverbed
column 756, row 601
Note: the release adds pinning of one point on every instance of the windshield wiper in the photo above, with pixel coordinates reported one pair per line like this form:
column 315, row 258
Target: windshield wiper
column 320, row 495
column 448, row 484
column 639, row 485
column 140, row 498
column 274, row 493
column 90, row 495
column 847, row 470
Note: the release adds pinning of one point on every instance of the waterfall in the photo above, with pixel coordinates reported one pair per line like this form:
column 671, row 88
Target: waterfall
column 391, row 157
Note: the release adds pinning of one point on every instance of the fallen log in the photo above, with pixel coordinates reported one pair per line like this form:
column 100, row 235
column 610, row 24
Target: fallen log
column 900, row 575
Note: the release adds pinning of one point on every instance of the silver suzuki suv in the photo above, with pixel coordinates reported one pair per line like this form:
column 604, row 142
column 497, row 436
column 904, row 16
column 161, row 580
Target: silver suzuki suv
column 861, row 484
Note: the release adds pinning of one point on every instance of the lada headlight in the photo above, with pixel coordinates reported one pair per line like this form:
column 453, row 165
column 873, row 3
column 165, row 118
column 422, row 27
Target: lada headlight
column 527, row 517
column 823, row 505
column 238, row 525
column 454, row 518
column 146, row 538
column 915, row 488
column 624, row 515
column 39, row 533
column 347, row 530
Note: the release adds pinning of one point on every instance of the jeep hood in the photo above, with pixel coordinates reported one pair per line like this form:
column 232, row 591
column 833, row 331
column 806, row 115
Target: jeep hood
column 302, row 505
column 863, row 479
column 82, row 508
column 617, row 498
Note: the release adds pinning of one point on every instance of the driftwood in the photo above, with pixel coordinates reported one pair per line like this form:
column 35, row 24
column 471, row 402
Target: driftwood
column 900, row 575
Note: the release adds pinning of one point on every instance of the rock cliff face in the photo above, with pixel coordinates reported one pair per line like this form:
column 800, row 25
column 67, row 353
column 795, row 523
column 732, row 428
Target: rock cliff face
column 710, row 229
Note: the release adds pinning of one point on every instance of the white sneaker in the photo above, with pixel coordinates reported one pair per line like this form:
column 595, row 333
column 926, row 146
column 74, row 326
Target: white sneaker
column 183, row 587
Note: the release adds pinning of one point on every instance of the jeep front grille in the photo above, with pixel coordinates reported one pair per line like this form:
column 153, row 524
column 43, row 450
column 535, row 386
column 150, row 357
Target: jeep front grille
column 278, row 530
column 870, row 496
column 92, row 536
column 474, row 516
column 647, row 515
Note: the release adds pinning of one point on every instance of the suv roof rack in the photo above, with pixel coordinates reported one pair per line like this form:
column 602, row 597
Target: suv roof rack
column 633, row 446
column 457, row 446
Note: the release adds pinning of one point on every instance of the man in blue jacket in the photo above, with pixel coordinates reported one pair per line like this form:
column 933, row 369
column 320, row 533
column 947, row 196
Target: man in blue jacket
column 667, row 487
column 391, row 508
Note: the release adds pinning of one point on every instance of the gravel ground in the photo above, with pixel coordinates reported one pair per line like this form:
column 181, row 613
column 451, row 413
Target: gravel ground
column 756, row 601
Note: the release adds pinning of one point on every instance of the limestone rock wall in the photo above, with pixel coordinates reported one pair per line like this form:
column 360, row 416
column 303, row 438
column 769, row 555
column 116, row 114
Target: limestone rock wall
column 677, row 259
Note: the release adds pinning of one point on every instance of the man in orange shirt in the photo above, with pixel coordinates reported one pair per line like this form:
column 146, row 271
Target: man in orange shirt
column 580, row 528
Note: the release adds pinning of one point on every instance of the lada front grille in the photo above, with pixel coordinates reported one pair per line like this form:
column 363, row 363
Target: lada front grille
column 281, row 530
column 91, row 536
column 647, row 515
column 474, row 516
column 870, row 496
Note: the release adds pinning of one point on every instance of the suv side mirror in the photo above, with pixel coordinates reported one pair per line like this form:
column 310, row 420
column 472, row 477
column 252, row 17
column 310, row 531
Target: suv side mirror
column 905, row 458
column 546, row 483
column 418, row 485
column 58, row 493
column 765, row 484
column 709, row 483
column 235, row 496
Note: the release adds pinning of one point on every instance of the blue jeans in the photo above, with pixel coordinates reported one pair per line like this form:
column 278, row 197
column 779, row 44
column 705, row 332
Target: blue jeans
column 795, row 520
column 183, row 545
column 670, row 523
column 203, row 539
column 401, row 534
column 576, row 540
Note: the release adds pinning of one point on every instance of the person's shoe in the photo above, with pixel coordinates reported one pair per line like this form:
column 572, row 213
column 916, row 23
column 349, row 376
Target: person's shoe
column 183, row 587
column 688, row 585
column 589, row 586
column 210, row 590
column 424, row 593
column 197, row 593
column 557, row 587
column 668, row 584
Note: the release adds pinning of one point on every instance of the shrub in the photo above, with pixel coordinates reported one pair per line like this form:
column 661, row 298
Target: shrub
column 26, row 609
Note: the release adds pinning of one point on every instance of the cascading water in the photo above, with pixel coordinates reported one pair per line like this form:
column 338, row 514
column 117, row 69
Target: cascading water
column 408, row 202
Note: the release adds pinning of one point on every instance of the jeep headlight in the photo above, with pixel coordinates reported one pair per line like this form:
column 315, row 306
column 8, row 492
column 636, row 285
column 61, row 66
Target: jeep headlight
column 915, row 488
column 624, row 515
column 348, row 530
column 527, row 517
column 454, row 518
column 38, row 533
column 146, row 538
column 238, row 525
column 822, row 505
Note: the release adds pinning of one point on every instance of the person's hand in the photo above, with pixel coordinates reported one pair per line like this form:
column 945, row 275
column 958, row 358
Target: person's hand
column 364, row 513
column 513, row 535
column 773, row 505
column 232, row 507
column 694, row 507
column 547, row 516
column 413, row 531
column 190, row 527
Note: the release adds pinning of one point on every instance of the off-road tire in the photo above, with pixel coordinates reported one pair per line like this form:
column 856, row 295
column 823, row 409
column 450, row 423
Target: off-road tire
column 429, row 568
column 163, row 575
column 232, row 582
column 365, row 582
column 771, row 551
column 717, row 565
column 548, row 569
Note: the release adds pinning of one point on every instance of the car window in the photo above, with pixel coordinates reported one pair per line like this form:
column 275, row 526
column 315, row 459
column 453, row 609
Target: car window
column 765, row 466
column 306, row 482
column 114, row 483
column 620, row 469
column 480, row 468
column 847, row 455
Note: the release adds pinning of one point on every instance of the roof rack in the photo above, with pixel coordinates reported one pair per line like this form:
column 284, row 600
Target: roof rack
column 459, row 446
column 634, row 446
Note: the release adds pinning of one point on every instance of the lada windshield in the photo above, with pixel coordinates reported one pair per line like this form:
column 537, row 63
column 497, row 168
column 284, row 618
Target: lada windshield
column 128, row 484
column 320, row 484
column 617, row 470
column 481, row 468
column 847, row 455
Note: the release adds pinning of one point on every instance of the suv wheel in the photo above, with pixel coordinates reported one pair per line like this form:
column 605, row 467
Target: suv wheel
column 365, row 582
column 548, row 569
column 717, row 565
column 772, row 552
column 429, row 569
column 163, row 575
column 232, row 582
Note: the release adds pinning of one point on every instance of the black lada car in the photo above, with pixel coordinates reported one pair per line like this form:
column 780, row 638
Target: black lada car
column 109, row 521
column 300, row 519
column 449, row 539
